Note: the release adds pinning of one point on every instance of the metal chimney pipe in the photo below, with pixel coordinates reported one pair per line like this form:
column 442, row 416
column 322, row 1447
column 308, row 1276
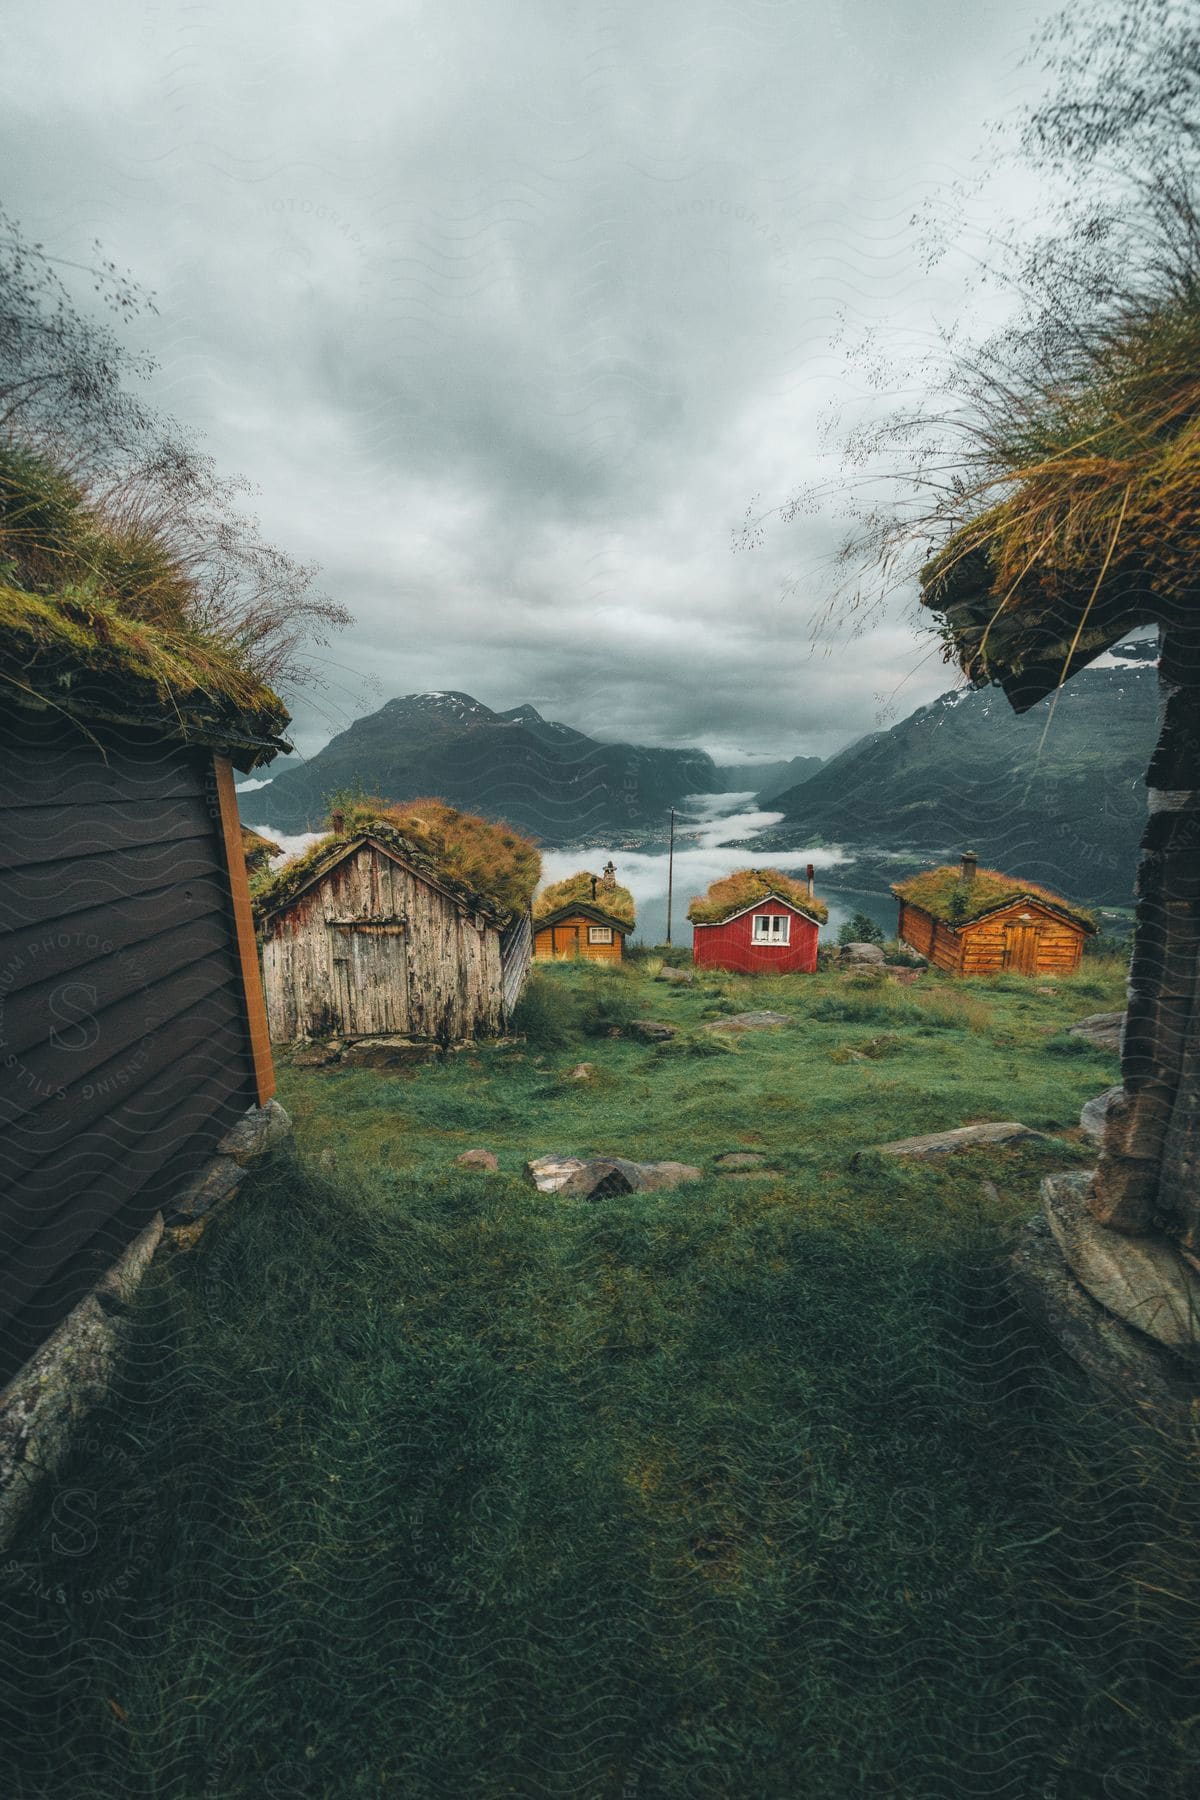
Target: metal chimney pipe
column 966, row 869
column 593, row 887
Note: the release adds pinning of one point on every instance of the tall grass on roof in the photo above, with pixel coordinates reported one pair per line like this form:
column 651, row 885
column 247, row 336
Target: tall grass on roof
column 1097, row 523
column 944, row 895
column 744, row 888
column 482, row 860
column 99, row 611
column 617, row 900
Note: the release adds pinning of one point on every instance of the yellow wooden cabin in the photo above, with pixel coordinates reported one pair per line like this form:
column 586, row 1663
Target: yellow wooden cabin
column 972, row 921
column 586, row 916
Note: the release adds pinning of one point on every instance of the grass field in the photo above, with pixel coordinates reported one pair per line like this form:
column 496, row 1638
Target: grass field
column 419, row 1482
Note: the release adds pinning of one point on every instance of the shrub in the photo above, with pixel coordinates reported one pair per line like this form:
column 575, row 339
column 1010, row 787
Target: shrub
column 859, row 928
column 547, row 1013
column 607, row 1004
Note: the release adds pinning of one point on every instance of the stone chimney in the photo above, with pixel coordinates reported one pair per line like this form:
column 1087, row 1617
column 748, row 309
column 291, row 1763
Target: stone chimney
column 609, row 877
column 809, row 874
column 337, row 820
column 967, row 867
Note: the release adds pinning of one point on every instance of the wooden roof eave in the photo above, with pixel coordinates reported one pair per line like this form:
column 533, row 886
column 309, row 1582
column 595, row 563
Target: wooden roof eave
column 581, row 909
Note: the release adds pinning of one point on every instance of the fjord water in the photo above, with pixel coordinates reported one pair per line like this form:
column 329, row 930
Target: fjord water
column 714, row 835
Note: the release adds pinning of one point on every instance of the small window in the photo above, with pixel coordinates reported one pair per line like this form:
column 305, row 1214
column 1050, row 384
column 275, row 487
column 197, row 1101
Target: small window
column 600, row 934
column 771, row 928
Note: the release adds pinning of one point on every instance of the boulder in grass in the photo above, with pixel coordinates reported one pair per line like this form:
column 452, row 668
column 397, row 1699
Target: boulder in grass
column 750, row 1021
column 862, row 955
column 681, row 977
column 964, row 1137
column 1104, row 1030
column 601, row 1176
column 1095, row 1112
column 478, row 1159
column 658, row 1175
column 651, row 1031
column 548, row 1173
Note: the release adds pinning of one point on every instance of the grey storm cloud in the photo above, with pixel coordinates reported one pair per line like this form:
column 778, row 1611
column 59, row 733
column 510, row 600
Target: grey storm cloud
column 512, row 312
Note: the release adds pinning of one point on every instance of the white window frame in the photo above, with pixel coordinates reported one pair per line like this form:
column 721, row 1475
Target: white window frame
column 600, row 934
column 765, row 929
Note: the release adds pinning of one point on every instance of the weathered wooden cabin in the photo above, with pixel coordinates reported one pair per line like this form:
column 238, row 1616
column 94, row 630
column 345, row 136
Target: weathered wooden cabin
column 758, row 922
column 972, row 921
column 586, row 916
column 367, row 936
column 132, row 1028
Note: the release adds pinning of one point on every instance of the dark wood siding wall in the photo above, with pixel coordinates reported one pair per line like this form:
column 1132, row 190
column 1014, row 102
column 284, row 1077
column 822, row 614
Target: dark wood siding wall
column 124, row 1045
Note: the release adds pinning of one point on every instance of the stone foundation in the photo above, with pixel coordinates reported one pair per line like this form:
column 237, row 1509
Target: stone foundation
column 1123, row 1308
column 47, row 1400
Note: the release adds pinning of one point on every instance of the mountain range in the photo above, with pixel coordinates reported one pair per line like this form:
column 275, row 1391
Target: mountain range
column 542, row 776
column 1056, row 794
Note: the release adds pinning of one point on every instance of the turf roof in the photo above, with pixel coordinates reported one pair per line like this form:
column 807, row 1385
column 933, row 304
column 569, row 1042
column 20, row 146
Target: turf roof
column 944, row 895
column 617, row 901
column 83, row 657
column 486, row 866
column 746, row 887
column 99, row 619
column 1098, row 529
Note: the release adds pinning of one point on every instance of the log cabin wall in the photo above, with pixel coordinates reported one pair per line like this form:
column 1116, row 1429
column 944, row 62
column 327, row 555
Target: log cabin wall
column 930, row 937
column 559, row 941
column 979, row 948
column 915, row 928
column 373, row 949
column 125, row 1050
column 1059, row 943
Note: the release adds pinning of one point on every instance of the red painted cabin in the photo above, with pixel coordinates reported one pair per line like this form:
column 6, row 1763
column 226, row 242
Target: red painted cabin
column 770, row 936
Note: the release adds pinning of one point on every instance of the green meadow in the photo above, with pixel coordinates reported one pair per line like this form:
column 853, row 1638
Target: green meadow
column 417, row 1481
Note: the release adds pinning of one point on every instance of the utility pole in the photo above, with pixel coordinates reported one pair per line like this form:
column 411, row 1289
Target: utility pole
column 670, row 873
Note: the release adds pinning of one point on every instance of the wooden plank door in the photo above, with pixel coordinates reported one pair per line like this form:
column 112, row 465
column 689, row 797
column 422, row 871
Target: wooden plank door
column 1021, row 948
column 370, row 969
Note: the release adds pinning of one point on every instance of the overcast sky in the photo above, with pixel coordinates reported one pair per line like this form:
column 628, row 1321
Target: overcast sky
column 512, row 310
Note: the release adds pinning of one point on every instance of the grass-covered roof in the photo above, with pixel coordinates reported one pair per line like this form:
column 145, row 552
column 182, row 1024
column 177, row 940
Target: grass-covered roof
column 576, row 889
column 489, row 867
column 944, row 895
column 97, row 621
column 746, row 887
column 1098, row 526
